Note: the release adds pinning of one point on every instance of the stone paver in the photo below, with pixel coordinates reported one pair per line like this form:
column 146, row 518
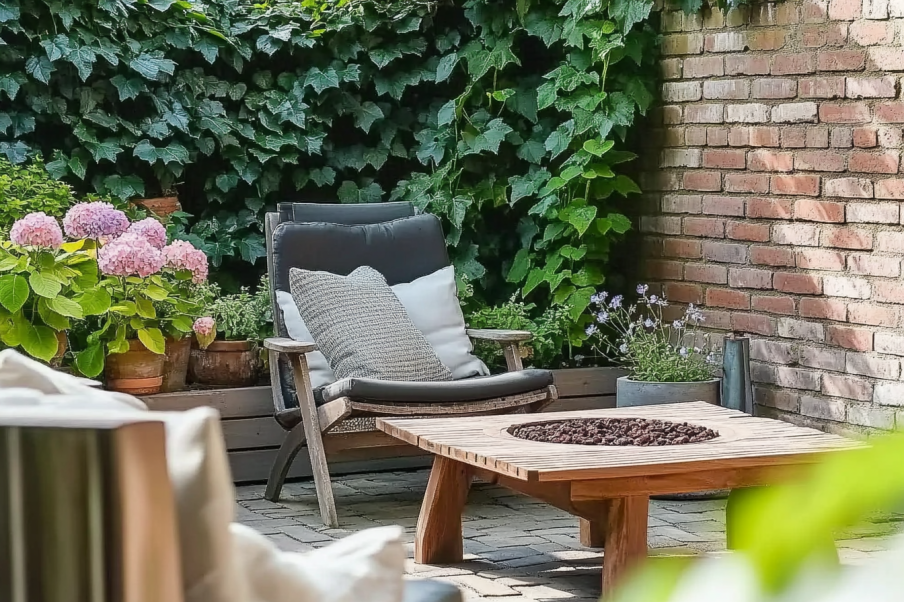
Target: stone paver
column 516, row 549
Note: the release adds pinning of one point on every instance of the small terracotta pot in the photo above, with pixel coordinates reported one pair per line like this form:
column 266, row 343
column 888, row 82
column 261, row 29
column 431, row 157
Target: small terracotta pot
column 138, row 371
column 225, row 364
column 161, row 206
column 175, row 366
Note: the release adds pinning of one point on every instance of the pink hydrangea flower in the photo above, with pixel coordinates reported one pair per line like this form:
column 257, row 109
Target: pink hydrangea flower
column 130, row 255
column 37, row 230
column 152, row 230
column 182, row 255
column 204, row 326
column 95, row 220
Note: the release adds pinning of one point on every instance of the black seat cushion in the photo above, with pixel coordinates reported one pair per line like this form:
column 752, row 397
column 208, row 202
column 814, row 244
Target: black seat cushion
column 479, row 388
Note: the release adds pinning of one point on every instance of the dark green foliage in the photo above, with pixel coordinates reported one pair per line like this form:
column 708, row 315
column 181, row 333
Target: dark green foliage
column 28, row 188
column 505, row 117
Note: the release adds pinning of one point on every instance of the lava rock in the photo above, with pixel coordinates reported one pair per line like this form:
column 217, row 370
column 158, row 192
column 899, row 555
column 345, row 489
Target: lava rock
column 614, row 431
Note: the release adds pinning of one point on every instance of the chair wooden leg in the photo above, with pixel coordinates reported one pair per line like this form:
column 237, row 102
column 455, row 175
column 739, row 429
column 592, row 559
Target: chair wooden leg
column 313, row 433
column 592, row 533
column 290, row 447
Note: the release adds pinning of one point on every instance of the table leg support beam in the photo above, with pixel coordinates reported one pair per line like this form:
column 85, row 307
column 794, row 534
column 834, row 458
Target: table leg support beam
column 626, row 538
column 438, row 539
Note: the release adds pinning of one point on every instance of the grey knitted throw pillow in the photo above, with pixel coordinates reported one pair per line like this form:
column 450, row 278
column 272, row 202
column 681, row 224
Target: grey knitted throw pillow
column 362, row 328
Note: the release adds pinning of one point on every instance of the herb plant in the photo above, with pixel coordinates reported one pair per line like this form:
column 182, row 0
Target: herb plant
column 242, row 316
column 651, row 348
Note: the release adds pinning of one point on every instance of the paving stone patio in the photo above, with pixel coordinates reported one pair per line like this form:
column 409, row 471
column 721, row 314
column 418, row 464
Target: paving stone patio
column 515, row 547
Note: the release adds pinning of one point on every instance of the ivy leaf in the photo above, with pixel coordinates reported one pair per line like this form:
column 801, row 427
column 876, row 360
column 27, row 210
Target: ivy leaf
column 446, row 114
column 620, row 223
column 172, row 153
column 621, row 108
column 579, row 217
column 534, row 279
column 9, row 12
column 597, row 148
column 559, row 140
column 395, row 84
column 16, row 152
column 466, row 263
column 321, row 80
column 124, row 187
column 625, row 186
column 366, row 114
column 491, row 137
column 579, row 301
column 323, row 176
column 690, row 6
column 350, row 193
column 527, row 185
column 10, row 83
column 103, row 150
column 161, row 5
column 638, row 92
column 630, row 12
column 383, row 56
column 78, row 165
column 83, row 58
column 445, row 66
column 532, row 151
column 150, row 67
column 39, row 67
column 520, row 266
column 22, row 123
column 128, row 87
column 56, row 48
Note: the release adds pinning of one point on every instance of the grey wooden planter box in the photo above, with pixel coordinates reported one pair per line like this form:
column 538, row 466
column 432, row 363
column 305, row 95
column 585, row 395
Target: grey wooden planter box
column 630, row 393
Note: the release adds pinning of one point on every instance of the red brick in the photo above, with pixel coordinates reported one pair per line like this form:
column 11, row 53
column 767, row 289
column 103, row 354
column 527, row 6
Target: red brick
column 821, row 87
column 873, row 315
column 683, row 293
column 803, row 284
column 773, row 304
column 774, row 88
column 726, row 89
column 885, row 162
column 823, row 309
column 800, row 185
column 664, row 270
column 847, row 238
column 769, row 39
column 872, row 213
column 717, row 319
column 841, row 60
column 753, row 323
column 764, row 136
column 842, row 137
column 818, row 161
column 814, row 11
column 794, row 137
column 849, row 188
column 840, row 286
column 770, row 208
column 679, row 247
column 706, row 66
column 724, row 297
column 890, row 112
column 844, row 10
column 739, row 136
column 858, row 339
column 819, row 211
column 703, row 180
column 681, row 203
column 890, row 189
column 660, row 224
column 813, row 36
column 763, row 160
column 870, row 33
column 738, row 182
column 724, row 252
column 704, row 226
column 820, row 259
column 705, row 113
column 890, row 241
column 888, row 292
column 747, row 231
column 817, row 137
column 724, row 159
column 704, row 272
column 745, row 64
column 695, row 136
column 771, row 256
column 788, row 64
column 873, row 265
column 803, row 235
column 843, row 385
column 750, row 278
column 855, row 112
column 865, row 137
column 723, row 205
column 716, row 136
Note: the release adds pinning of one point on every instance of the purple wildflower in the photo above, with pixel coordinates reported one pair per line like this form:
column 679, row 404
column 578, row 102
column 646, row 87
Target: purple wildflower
column 97, row 220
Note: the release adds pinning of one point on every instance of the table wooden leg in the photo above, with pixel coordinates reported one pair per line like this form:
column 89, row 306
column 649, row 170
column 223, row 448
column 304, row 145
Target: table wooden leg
column 592, row 532
column 626, row 538
column 438, row 539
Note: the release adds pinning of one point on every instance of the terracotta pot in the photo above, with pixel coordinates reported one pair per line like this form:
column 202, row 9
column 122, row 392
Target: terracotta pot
column 224, row 363
column 175, row 366
column 138, row 371
column 161, row 206
column 62, row 346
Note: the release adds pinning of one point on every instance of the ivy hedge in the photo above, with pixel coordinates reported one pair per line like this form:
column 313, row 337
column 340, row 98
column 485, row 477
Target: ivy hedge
column 505, row 117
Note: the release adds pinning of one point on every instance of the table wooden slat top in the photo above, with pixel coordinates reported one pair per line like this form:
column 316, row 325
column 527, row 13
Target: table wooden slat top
column 743, row 441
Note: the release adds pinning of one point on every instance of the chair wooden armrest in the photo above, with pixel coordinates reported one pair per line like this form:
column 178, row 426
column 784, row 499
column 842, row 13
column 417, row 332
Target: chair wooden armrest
column 509, row 339
column 502, row 336
column 284, row 345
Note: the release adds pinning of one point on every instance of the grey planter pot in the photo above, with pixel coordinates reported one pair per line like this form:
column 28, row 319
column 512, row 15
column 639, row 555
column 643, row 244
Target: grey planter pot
column 630, row 393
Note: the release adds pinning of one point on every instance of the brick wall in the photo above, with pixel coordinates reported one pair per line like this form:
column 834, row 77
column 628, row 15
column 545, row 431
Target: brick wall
column 775, row 197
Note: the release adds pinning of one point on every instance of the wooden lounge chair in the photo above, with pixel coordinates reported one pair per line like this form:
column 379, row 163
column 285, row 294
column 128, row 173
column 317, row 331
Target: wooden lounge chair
column 338, row 420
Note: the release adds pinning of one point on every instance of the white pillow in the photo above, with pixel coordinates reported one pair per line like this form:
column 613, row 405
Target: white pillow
column 432, row 304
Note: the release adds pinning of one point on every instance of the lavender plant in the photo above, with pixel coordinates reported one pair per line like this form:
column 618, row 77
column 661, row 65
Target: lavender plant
column 651, row 348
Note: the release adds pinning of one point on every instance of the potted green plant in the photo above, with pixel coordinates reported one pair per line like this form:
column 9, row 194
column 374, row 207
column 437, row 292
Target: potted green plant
column 239, row 322
column 26, row 189
column 667, row 361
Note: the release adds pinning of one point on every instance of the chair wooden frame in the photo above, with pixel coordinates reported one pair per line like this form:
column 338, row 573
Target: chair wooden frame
column 336, row 427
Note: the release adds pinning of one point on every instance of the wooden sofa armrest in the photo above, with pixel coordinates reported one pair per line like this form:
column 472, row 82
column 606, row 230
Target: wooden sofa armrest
column 509, row 339
column 502, row 336
column 284, row 345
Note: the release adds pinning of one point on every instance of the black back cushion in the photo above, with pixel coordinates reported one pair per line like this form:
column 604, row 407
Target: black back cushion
column 402, row 250
column 360, row 213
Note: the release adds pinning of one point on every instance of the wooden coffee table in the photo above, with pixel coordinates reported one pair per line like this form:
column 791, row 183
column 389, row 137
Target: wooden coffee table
column 608, row 488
